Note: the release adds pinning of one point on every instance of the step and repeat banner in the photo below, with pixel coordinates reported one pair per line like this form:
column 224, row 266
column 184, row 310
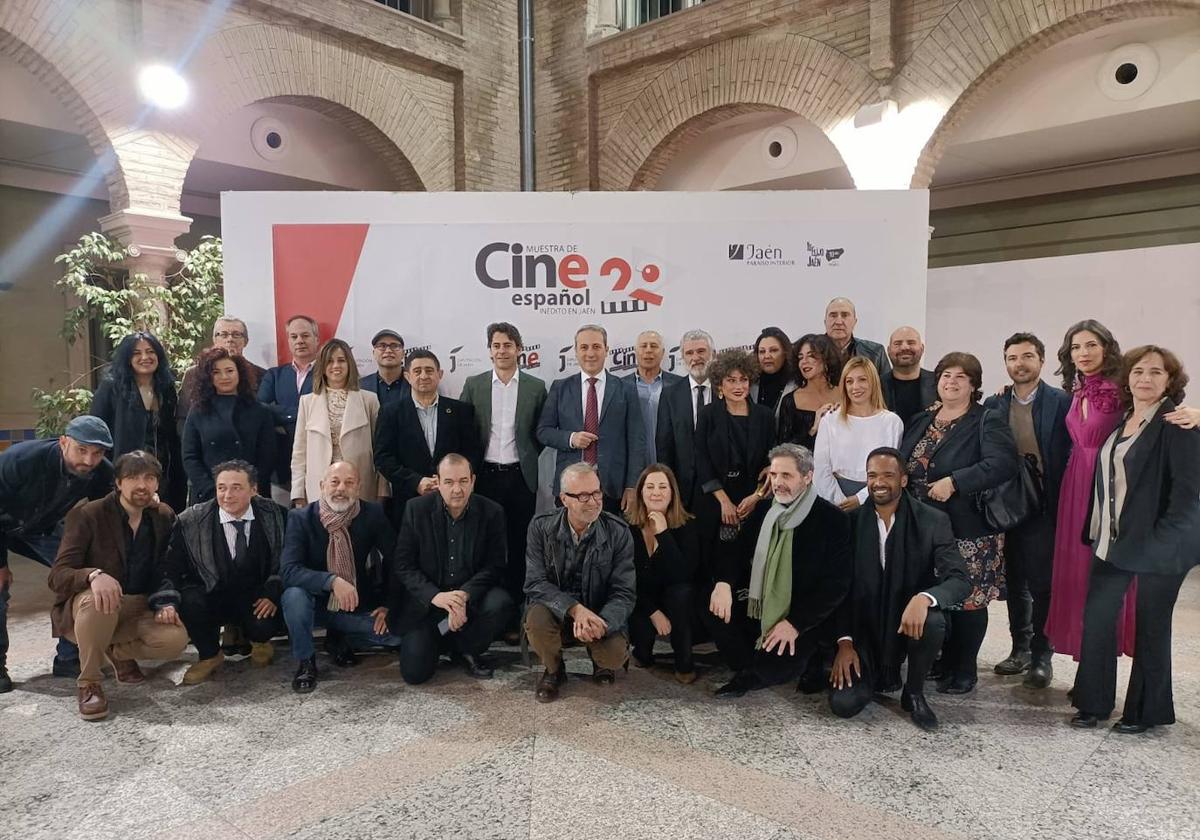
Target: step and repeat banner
column 439, row 267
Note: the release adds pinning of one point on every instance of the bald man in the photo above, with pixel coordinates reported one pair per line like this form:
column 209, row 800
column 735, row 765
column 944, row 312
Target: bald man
column 908, row 389
column 650, row 379
column 336, row 553
column 840, row 320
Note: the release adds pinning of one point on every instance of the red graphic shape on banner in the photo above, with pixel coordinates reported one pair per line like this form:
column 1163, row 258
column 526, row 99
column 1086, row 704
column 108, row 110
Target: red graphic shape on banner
column 314, row 266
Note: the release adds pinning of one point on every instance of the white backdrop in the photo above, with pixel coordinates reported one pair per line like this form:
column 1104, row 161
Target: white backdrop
column 438, row 267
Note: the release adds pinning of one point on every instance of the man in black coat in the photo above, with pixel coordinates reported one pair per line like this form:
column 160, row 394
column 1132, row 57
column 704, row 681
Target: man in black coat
column 281, row 388
column 415, row 433
column 908, row 389
column 40, row 480
column 906, row 568
column 448, row 575
column 1037, row 414
column 334, row 572
column 224, row 562
column 770, row 620
column 678, row 413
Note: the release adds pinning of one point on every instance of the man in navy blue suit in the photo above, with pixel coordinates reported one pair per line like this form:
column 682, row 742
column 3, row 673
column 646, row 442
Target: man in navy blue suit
column 596, row 418
column 281, row 388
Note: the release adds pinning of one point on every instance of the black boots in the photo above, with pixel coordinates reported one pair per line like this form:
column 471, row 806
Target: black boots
column 918, row 709
column 306, row 676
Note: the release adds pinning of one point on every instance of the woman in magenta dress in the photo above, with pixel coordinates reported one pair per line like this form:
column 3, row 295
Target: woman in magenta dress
column 1090, row 360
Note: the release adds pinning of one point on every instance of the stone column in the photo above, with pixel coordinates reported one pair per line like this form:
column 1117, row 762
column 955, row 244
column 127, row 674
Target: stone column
column 443, row 16
column 608, row 21
column 150, row 236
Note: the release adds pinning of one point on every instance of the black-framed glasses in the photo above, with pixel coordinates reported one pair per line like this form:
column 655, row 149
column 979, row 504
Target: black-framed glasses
column 385, row 346
column 596, row 496
column 223, row 334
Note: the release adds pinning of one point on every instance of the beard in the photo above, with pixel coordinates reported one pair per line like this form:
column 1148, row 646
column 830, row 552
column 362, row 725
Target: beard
column 339, row 505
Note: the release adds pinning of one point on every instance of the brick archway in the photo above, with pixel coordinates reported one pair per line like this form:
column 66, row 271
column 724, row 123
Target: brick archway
column 1000, row 35
column 782, row 72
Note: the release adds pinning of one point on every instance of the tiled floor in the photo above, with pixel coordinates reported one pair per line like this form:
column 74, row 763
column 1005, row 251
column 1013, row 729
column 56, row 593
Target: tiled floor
column 365, row 756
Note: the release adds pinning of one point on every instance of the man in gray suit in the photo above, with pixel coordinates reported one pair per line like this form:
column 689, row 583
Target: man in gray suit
column 507, row 406
column 650, row 380
column 595, row 418
column 840, row 320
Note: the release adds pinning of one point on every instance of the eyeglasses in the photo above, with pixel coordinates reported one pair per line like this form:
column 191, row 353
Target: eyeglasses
column 228, row 334
column 389, row 346
column 584, row 498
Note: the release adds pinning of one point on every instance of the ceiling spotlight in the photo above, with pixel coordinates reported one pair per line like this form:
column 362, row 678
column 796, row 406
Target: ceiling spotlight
column 162, row 86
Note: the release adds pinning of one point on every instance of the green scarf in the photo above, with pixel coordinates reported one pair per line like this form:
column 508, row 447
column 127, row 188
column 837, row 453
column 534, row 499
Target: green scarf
column 771, row 574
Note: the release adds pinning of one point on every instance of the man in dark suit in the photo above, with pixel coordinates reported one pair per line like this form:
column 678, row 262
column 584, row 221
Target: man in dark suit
column 800, row 574
column 507, row 404
column 906, row 569
column 840, row 320
column 388, row 382
column 334, row 571
column 678, row 413
column 595, row 418
column 447, row 575
column 232, row 334
column 281, row 388
column 650, row 380
column 1037, row 414
column 40, row 480
column 908, row 389
column 414, row 434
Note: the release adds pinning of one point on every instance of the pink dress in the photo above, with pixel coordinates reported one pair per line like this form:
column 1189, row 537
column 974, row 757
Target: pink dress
column 1073, row 557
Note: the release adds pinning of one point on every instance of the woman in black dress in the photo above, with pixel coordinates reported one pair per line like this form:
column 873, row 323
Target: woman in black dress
column 137, row 400
column 773, row 351
column 818, row 366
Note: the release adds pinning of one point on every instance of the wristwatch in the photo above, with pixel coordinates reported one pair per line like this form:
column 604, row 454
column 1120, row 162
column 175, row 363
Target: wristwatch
column 95, row 573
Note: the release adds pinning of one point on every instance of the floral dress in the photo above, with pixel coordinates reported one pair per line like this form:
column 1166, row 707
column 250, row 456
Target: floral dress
column 984, row 555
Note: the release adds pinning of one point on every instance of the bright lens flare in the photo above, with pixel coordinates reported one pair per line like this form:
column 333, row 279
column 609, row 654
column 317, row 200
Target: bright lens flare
column 162, row 86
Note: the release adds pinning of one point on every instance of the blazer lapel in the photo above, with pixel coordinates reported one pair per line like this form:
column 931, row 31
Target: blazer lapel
column 114, row 524
column 1138, row 455
column 1043, row 419
column 483, row 404
column 438, row 526
column 445, row 416
column 611, row 385
column 573, row 394
column 356, row 413
column 318, row 416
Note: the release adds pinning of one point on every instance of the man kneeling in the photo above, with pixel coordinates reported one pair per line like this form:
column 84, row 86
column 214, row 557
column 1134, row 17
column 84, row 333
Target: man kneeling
column 111, row 595
column 580, row 582
column 906, row 566
column 224, row 560
column 450, row 561
column 334, row 571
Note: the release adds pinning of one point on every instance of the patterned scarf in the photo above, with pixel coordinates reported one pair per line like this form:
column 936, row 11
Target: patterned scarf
column 339, row 556
column 771, row 573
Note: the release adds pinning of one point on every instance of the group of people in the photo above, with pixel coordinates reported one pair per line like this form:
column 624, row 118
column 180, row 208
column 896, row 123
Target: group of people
column 822, row 510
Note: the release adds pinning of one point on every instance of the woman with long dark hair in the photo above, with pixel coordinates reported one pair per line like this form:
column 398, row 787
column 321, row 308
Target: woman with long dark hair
column 818, row 370
column 773, row 351
column 137, row 400
column 226, row 423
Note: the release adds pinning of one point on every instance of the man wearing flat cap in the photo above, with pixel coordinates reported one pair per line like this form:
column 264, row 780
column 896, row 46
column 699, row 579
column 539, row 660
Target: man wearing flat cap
column 40, row 480
column 388, row 382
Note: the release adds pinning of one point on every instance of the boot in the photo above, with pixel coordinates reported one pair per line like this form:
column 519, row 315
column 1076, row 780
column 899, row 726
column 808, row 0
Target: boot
column 262, row 654
column 6, row 683
column 1040, row 674
column 92, row 703
column 1018, row 662
column 200, row 671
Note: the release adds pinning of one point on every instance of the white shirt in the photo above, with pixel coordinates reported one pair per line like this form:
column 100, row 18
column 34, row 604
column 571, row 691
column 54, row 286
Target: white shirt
column 601, row 378
column 502, row 439
column 708, row 396
column 843, row 445
column 230, row 531
column 884, row 531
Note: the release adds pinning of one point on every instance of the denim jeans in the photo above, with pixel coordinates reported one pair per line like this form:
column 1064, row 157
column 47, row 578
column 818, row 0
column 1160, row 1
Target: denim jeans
column 42, row 548
column 302, row 610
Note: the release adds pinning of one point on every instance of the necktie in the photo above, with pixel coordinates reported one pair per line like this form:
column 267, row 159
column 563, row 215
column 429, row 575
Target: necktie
column 591, row 420
column 699, row 404
column 240, row 546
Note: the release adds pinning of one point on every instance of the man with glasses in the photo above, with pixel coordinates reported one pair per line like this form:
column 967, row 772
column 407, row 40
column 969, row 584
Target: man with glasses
column 230, row 333
column 388, row 382
column 579, row 582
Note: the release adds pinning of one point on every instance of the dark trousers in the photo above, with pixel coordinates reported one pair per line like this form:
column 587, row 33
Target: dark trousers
column 736, row 641
column 43, row 548
column 1029, row 558
column 421, row 646
column 203, row 613
column 848, row 701
column 965, row 630
column 1148, row 699
column 506, row 486
column 677, row 604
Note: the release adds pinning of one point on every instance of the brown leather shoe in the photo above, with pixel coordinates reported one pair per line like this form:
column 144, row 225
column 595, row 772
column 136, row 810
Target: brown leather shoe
column 547, row 687
column 128, row 672
column 262, row 654
column 92, row 704
column 200, row 671
column 685, row 677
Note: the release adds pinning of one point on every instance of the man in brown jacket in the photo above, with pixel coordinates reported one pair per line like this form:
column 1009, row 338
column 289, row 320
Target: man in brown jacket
column 108, row 579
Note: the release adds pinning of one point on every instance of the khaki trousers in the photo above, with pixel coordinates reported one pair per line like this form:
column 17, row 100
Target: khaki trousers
column 131, row 632
column 547, row 636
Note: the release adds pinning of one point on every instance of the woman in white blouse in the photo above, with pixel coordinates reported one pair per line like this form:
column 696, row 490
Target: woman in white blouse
column 336, row 422
column 847, row 436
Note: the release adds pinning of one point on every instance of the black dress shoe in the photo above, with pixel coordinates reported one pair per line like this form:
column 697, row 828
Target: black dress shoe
column 959, row 684
column 1018, row 662
column 306, row 676
column 918, row 709
column 603, row 676
column 6, row 683
column 1085, row 720
column 547, row 687
column 642, row 660
column 742, row 682
column 1039, row 676
column 65, row 668
column 477, row 666
column 343, row 655
column 1127, row 728
column 938, row 671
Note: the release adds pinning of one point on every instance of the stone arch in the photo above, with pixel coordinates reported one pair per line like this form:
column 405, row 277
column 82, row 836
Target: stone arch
column 1000, row 35
column 775, row 71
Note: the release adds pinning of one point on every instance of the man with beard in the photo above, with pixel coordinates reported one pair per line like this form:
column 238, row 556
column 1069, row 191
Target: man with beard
column 334, row 570
column 111, row 594
column 906, row 568
column 840, row 320
column 650, row 380
column 678, row 413
column 908, row 389
column 1037, row 414
column 40, row 480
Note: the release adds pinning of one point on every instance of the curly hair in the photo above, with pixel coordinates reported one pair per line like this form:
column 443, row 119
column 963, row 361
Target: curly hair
column 1110, row 367
column 732, row 361
column 120, row 372
column 206, row 391
column 1177, row 378
column 823, row 346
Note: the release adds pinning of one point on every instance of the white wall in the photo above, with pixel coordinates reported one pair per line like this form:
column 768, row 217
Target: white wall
column 1144, row 296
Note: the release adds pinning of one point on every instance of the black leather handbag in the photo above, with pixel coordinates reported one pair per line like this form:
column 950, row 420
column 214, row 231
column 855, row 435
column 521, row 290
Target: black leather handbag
column 1015, row 501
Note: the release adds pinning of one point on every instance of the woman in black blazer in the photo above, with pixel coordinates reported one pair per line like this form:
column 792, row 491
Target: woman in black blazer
column 137, row 400
column 954, row 451
column 666, row 549
column 1144, row 529
column 226, row 422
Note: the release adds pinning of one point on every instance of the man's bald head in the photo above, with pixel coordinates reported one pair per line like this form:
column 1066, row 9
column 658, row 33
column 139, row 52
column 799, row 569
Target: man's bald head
column 905, row 349
column 340, row 485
